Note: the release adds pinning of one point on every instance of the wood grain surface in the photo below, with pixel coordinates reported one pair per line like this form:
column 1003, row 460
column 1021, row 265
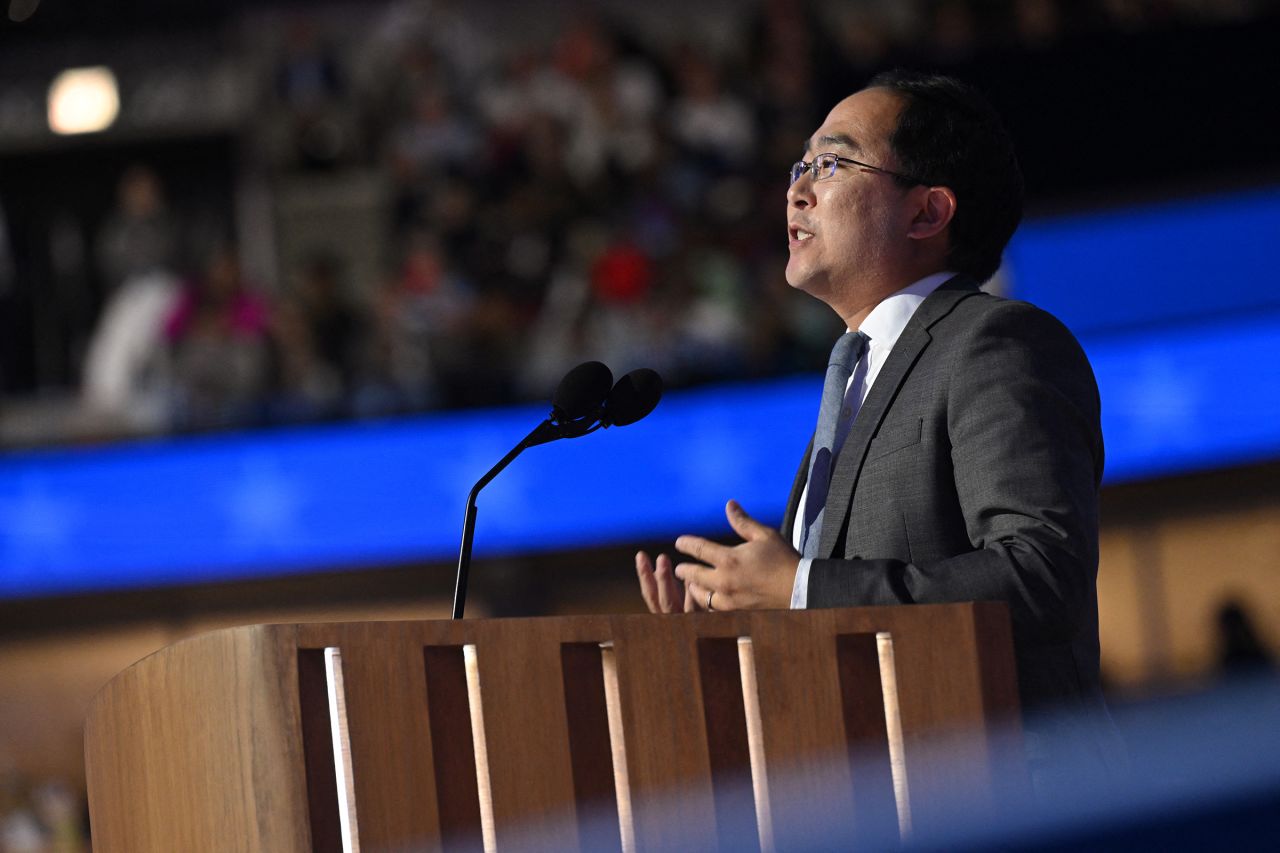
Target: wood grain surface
column 620, row 732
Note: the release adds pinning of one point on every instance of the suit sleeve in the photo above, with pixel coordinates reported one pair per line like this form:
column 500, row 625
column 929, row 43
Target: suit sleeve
column 1022, row 421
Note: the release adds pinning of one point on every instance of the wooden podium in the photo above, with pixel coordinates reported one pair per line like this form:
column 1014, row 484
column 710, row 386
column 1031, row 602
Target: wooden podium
column 761, row 730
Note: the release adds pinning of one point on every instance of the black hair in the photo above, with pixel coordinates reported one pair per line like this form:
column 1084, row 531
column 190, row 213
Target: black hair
column 949, row 135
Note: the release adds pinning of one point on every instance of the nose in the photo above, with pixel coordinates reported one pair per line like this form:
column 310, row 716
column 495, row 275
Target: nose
column 800, row 193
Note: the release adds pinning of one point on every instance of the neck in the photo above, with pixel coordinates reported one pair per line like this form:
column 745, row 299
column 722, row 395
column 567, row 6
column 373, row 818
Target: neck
column 865, row 298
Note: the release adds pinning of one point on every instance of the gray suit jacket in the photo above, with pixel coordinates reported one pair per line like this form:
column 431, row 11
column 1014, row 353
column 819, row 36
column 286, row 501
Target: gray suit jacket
column 971, row 474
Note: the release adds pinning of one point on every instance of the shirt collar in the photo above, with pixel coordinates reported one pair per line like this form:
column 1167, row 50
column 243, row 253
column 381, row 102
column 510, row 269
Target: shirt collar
column 886, row 321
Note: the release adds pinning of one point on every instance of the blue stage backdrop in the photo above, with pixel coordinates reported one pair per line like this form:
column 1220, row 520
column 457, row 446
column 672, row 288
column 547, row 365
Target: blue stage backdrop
column 1171, row 302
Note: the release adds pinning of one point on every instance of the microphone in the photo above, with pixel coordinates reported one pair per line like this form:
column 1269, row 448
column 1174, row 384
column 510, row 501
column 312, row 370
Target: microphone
column 581, row 390
column 633, row 398
column 585, row 400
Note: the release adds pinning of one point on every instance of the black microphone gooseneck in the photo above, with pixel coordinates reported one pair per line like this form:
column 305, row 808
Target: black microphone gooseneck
column 575, row 411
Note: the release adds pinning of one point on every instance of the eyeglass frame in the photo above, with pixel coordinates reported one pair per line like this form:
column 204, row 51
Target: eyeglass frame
column 799, row 167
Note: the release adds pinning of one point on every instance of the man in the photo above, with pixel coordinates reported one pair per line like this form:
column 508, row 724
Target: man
column 972, row 465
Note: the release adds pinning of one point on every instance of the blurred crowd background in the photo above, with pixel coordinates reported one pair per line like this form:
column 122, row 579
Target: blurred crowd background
column 312, row 212
column 320, row 211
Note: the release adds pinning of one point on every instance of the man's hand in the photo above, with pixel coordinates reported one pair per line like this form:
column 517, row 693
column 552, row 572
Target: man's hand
column 662, row 592
column 757, row 573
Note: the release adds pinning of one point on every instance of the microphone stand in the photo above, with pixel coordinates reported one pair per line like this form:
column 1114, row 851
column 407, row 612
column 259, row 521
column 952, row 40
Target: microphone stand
column 547, row 431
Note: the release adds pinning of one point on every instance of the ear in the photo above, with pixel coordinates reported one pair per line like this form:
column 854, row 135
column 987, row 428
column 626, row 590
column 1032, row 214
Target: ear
column 936, row 210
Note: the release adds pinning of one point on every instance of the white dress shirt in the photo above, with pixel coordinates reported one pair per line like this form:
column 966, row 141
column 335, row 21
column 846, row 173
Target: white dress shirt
column 883, row 326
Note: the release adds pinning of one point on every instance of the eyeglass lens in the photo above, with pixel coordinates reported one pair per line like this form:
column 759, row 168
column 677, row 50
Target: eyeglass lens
column 822, row 166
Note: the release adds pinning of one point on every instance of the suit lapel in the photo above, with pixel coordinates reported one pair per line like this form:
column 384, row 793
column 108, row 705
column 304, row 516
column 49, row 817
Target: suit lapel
column 906, row 351
column 797, row 489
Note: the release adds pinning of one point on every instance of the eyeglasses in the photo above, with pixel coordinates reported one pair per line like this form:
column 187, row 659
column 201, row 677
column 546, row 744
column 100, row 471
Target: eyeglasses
column 824, row 166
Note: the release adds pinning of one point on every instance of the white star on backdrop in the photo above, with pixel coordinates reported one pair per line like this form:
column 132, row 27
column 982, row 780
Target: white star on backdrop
column 263, row 505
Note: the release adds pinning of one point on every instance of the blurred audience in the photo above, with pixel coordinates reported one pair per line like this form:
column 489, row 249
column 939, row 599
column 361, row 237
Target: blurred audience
column 40, row 817
column 219, row 347
column 310, row 86
column 607, row 193
column 422, row 322
column 139, row 236
column 319, row 334
column 126, row 379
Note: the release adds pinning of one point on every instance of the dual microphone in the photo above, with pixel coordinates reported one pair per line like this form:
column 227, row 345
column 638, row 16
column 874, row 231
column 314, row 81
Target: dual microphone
column 587, row 399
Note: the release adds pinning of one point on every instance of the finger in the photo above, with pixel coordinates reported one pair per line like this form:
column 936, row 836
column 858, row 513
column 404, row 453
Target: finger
column 743, row 524
column 701, row 594
column 648, row 583
column 694, row 597
column 702, row 549
column 669, row 592
column 701, row 576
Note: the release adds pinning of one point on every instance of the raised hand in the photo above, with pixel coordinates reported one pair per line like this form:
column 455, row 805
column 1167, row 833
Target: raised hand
column 759, row 572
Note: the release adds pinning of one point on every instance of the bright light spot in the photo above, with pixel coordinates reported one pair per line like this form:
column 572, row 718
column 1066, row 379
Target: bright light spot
column 83, row 100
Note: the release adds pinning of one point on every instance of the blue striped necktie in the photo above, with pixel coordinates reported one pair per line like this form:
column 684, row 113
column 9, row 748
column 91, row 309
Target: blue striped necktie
column 834, row 417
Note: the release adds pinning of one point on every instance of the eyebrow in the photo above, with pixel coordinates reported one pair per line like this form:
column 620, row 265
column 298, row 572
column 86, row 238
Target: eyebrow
column 835, row 139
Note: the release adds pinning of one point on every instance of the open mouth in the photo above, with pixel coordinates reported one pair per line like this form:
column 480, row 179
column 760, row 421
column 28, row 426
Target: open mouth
column 796, row 234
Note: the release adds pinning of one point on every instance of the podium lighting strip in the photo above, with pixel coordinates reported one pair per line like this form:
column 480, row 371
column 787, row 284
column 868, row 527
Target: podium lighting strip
column 618, row 747
column 755, row 742
column 484, row 791
column 341, row 750
column 893, row 728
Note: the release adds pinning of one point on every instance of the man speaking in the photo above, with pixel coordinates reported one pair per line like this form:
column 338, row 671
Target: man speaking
column 958, row 451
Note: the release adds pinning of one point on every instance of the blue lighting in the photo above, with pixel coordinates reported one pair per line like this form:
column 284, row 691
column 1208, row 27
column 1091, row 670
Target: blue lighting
column 1175, row 263
column 270, row 503
column 1180, row 400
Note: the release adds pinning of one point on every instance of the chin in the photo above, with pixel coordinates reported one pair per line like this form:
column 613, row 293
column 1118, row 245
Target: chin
column 797, row 278
column 803, row 281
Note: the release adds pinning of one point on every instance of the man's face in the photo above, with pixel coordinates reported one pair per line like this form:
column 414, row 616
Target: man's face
column 846, row 233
